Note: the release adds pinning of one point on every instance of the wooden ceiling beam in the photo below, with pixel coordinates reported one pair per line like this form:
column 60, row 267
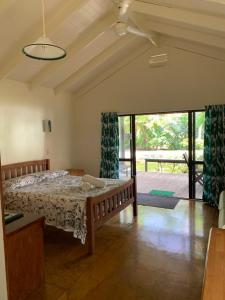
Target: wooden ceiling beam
column 187, row 34
column 181, row 17
column 209, row 7
column 101, row 58
column 140, row 49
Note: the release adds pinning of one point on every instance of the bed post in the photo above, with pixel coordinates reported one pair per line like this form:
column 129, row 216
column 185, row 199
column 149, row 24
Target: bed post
column 135, row 197
column 48, row 164
column 90, row 227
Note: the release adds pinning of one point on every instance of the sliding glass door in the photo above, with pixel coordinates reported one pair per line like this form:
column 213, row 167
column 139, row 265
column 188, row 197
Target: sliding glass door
column 164, row 151
column 196, row 171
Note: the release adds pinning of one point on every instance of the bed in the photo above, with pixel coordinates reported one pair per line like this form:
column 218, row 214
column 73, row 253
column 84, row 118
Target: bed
column 58, row 197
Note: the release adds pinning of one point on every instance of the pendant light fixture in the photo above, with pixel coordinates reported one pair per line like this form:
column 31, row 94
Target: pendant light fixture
column 44, row 48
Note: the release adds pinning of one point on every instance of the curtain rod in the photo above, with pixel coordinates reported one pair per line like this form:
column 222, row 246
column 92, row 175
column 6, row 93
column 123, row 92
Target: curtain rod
column 161, row 112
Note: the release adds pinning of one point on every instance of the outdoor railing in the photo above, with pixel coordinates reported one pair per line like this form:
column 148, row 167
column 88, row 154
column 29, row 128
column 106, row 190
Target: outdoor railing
column 172, row 161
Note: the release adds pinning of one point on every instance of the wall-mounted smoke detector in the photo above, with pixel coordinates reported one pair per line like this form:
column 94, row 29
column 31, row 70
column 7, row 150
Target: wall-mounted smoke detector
column 158, row 60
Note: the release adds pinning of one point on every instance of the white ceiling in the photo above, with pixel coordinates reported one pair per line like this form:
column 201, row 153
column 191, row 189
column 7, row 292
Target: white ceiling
column 84, row 28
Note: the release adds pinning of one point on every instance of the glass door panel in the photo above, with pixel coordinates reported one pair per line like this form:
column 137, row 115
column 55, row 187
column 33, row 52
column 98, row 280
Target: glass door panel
column 198, row 181
column 199, row 135
column 124, row 169
column 125, row 145
column 124, row 137
column 161, row 141
column 199, row 126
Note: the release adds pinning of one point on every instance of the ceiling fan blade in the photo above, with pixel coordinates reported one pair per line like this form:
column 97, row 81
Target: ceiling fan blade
column 141, row 33
column 152, row 40
column 136, row 31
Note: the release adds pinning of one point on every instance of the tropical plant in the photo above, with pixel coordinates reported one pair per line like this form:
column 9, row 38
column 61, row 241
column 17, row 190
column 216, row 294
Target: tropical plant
column 162, row 131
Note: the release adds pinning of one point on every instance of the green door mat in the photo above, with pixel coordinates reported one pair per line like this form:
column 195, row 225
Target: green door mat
column 161, row 193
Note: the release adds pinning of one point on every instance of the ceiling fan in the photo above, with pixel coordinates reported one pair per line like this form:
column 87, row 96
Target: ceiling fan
column 122, row 26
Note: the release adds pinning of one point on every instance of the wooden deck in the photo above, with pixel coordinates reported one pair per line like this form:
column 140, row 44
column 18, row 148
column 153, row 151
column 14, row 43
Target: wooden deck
column 178, row 183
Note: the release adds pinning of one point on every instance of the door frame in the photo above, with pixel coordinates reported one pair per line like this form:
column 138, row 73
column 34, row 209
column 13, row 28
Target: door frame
column 191, row 145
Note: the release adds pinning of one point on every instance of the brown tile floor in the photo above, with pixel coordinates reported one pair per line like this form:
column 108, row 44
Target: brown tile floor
column 158, row 257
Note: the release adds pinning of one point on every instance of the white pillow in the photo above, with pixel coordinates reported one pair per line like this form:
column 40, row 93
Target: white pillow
column 18, row 182
column 50, row 174
column 97, row 182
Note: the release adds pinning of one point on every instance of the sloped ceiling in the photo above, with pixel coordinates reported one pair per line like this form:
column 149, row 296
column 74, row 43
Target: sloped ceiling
column 85, row 29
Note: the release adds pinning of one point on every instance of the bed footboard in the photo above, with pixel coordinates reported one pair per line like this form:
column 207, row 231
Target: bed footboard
column 102, row 208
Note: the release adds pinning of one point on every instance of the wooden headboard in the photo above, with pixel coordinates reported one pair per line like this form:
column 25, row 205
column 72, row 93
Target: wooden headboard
column 24, row 168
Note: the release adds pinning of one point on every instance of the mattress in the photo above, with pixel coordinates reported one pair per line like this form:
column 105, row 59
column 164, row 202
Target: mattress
column 60, row 199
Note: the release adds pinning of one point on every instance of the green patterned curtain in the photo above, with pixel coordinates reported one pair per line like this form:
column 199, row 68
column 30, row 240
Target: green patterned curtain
column 110, row 146
column 214, row 154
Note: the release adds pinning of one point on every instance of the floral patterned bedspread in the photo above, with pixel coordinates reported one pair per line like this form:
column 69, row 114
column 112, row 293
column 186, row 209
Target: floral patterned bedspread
column 60, row 200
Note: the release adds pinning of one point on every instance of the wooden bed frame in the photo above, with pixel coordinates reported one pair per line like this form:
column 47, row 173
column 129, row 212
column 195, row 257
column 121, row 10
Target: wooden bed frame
column 100, row 209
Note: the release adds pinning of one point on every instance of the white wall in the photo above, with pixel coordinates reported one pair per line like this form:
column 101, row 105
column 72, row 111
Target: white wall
column 22, row 138
column 21, row 114
column 189, row 81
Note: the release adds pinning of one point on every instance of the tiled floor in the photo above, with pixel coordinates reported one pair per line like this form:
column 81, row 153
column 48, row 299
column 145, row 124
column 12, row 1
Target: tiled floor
column 160, row 256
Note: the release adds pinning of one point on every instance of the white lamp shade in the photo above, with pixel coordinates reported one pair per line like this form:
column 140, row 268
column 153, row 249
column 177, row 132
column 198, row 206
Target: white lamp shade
column 44, row 49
